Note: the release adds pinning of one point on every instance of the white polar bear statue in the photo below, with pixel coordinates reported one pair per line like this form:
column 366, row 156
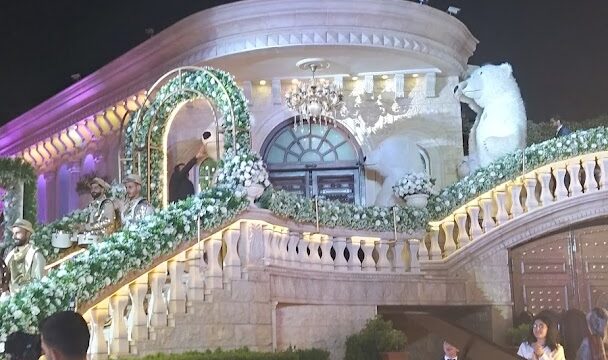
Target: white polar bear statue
column 392, row 159
column 500, row 126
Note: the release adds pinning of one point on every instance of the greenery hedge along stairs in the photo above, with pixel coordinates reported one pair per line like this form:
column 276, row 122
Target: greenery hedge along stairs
column 242, row 354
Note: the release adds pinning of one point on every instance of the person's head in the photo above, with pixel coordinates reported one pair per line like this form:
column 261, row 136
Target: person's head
column 179, row 167
column 22, row 230
column 555, row 121
column 98, row 187
column 597, row 320
column 544, row 329
column 450, row 350
column 22, row 346
column 64, row 336
column 132, row 185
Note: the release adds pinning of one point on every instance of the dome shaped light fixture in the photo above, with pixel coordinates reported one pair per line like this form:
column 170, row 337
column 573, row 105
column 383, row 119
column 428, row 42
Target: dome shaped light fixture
column 314, row 101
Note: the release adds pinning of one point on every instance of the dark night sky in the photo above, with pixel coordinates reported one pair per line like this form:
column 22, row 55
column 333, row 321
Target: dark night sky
column 558, row 48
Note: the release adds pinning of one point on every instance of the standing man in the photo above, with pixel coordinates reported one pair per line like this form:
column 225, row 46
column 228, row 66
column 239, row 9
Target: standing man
column 102, row 215
column 25, row 262
column 180, row 186
column 560, row 129
column 136, row 207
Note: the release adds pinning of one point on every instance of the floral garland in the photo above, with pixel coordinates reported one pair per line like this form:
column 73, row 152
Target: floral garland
column 218, row 86
column 509, row 167
column 106, row 263
column 12, row 171
column 239, row 172
column 414, row 183
column 333, row 213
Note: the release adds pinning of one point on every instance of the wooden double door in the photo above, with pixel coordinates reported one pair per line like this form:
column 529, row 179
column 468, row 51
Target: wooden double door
column 564, row 270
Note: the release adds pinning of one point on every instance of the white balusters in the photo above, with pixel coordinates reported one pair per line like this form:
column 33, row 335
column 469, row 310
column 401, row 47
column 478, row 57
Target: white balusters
column 352, row 245
column 303, row 250
column 340, row 263
column 196, row 283
column 99, row 345
column 138, row 322
column 327, row 263
column 448, row 230
column 267, row 233
column 313, row 246
column 383, row 263
column 515, row 191
column 157, row 307
column 531, row 202
column 367, row 245
column 560, row 187
column 399, row 255
column 475, row 230
column 574, row 169
column 232, row 261
column 590, row 182
column 292, row 253
column 502, row 216
column 414, row 263
column 213, row 275
column 177, row 292
column 435, row 251
column 119, row 343
column 487, row 222
column 544, row 178
column 423, row 252
column 275, row 245
column 283, row 241
column 603, row 163
column 461, row 224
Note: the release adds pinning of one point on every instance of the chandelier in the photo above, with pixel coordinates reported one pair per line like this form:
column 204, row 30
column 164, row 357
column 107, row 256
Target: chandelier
column 317, row 101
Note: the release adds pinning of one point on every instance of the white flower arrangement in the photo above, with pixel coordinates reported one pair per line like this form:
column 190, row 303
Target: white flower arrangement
column 414, row 183
column 241, row 171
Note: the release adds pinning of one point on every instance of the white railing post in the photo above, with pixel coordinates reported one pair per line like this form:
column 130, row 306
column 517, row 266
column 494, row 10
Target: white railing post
column 461, row 223
column 502, row 216
column 177, row 292
column 196, row 283
column 313, row 245
column 435, row 251
column 352, row 245
column 340, row 263
column 232, row 261
column 476, row 230
column 560, row 186
column 399, row 256
column 515, row 191
column 448, row 230
column 275, row 245
column 99, row 344
column 590, row 182
column 531, row 202
column 488, row 222
column 213, row 275
column 367, row 245
column 544, row 178
column 138, row 322
column 575, row 181
column 383, row 263
column 119, row 343
column 327, row 263
column 157, row 308
column 283, row 241
column 414, row 263
column 303, row 250
column 267, row 233
column 292, row 253
column 603, row 162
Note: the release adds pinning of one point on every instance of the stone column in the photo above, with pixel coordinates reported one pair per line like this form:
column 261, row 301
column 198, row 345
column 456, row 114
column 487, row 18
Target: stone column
column 50, row 179
column 74, row 176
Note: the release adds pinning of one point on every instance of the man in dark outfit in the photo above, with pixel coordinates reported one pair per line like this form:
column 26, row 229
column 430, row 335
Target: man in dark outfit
column 180, row 187
column 560, row 128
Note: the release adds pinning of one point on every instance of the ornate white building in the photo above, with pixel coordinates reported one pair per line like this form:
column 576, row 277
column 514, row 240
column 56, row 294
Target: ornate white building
column 396, row 61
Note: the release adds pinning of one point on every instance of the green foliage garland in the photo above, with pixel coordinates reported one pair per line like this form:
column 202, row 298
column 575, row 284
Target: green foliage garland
column 11, row 172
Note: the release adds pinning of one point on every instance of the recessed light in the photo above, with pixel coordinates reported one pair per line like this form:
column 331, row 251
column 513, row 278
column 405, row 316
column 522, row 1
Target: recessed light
column 384, row 77
column 355, row 78
column 414, row 75
column 262, row 82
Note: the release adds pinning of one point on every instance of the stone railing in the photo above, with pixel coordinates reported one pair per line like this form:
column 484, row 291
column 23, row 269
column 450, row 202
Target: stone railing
column 154, row 298
column 539, row 188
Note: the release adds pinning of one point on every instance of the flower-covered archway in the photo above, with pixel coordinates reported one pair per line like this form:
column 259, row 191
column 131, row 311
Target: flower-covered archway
column 18, row 181
column 145, row 151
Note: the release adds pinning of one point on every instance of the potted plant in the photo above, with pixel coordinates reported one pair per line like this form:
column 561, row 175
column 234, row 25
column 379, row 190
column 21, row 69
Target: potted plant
column 415, row 189
column 377, row 340
column 245, row 174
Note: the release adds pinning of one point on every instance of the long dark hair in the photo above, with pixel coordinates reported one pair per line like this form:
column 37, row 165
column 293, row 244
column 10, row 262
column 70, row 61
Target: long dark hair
column 552, row 339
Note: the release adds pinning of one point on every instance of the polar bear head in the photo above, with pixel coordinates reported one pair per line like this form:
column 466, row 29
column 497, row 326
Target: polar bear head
column 395, row 156
column 489, row 82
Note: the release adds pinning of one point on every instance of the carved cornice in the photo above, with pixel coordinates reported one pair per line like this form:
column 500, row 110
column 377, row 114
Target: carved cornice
column 243, row 27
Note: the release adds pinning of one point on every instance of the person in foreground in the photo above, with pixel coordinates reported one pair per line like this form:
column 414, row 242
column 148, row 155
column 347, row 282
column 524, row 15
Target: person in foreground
column 592, row 347
column 542, row 342
column 64, row 336
column 450, row 352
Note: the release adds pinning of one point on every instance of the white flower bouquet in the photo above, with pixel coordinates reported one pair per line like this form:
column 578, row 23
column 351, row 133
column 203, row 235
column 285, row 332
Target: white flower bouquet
column 242, row 171
column 414, row 183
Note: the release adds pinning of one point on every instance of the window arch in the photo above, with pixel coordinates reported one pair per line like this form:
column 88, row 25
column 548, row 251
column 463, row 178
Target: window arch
column 315, row 160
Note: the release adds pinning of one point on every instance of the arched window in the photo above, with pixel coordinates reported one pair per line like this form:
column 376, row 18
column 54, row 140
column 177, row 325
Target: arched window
column 315, row 160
